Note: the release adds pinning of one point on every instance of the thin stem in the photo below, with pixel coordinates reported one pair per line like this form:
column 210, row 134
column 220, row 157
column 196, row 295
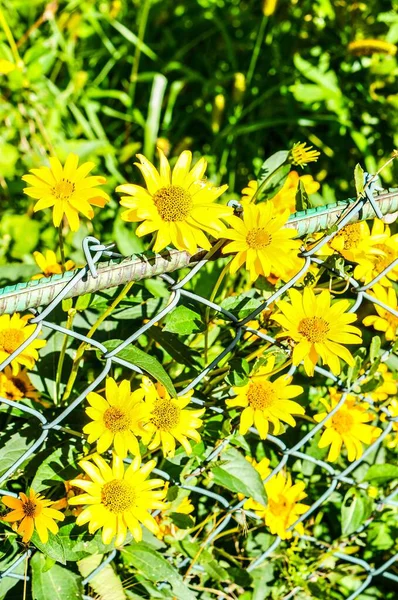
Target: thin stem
column 207, row 310
column 10, row 37
column 25, row 579
column 137, row 54
column 84, row 345
column 256, row 50
column 61, row 247
column 71, row 316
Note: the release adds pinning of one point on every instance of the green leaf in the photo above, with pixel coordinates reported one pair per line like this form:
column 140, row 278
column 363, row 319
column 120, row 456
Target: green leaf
column 302, row 201
column 182, row 521
column 380, row 474
column 375, row 346
column 184, row 321
column 156, row 568
column 56, row 583
column 12, row 449
column 204, row 558
column 356, row 508
column 359, row 181
column 144, row 361
column 239, row 372
column 242, row 305
column 238, row 475
column 273, row 174
column 60, row 465
column 151, row 130
column 179, row 351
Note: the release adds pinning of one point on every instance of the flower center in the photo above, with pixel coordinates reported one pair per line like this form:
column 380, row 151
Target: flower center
column 29, row 508
column 64, row 189
column 11, row 339
column 19, row 384
column 116, row 419
column 258, row 238
column 118, row 496
column 262, row 395
column 315, row 329
column 278, row 507
column 351, row 235
column 165, row 415
column 342, row 422
column 381, row 262
column 173, row 203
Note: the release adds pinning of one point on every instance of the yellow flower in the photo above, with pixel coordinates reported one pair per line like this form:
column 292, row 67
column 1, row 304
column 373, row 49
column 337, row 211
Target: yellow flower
column 14, row 330
column 348, row 427
column 179, row 205
column 248, row 192
column 301, row 154
column 116, row 420
column 33, row 512
column 168, row 420
column 67, row 189
column 118, row 500
column 285, row 199
column 283, row 506
column 260, row 241
column 318, row 328
column 370, row 46
column 49, row 265
column 371, row 264
column 391, row 440
column 18, row 386
column 6, row 66
column 384, row 320
column 387, row 387
column 355, row 241
column 266, row 401
column 166, row 525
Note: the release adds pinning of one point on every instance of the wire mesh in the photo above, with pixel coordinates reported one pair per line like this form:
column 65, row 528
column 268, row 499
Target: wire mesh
column 94, row 251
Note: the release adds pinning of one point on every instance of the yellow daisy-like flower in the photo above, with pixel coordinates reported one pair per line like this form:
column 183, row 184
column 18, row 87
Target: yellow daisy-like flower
column 283, row 506
column 117, row 419
column 371, row 264
column 355, row 241
column 391, row 440
column 49, row 265
column 118, row 500
column 169, row 420
column 67, row 189
column 348, row 426
column 33, row 512
column 248, row 192
column 388, row 386
column 266, row 401
column 14, row 330
column 384, row 320
column 261, row 241
column 301, row 154
column 179, row 205
column 285, row 199
column 319, row 329
column 15, row 387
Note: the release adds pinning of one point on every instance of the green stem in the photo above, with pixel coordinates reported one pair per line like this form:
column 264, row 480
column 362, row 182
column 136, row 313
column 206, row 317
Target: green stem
column 58, row 377
column 207, row 311
column 137, row 54
column 10, row 37
column 61, row 247
column 84, row 345
column 256, row 50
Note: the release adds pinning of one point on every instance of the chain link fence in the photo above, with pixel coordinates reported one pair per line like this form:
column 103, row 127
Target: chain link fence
column 94, row 252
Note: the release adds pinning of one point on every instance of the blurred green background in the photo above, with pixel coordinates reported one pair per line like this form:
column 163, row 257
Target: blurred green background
column 107, row 79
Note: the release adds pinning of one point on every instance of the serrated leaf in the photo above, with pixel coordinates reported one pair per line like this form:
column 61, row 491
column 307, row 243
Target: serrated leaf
column 238, row 475
column 382, row 473
column 56, row 583
column 359, row 180
column 356, row 508
column 184, row 321
column 147, row 363
column 154, row 567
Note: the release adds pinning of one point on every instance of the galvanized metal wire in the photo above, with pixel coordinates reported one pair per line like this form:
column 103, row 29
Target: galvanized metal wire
column 94, row 252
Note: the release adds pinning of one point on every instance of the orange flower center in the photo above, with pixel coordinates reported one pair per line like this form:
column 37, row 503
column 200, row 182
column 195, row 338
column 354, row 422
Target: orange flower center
column 314, row 329
column 64, row 189
column 258, row 238
column 262, row 395
column 118, row 496
column 381, row 262
column 11, row 339
column 351, row 235
column 166, row 415
column 173, row 203
column 278, row 507
column 29, row 508
column 342, row 422
column 116, row 419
